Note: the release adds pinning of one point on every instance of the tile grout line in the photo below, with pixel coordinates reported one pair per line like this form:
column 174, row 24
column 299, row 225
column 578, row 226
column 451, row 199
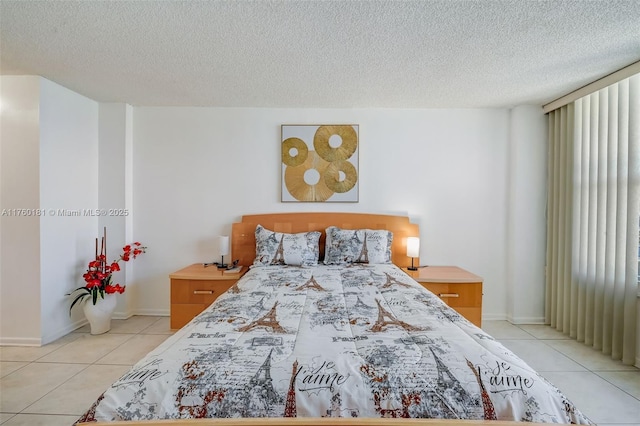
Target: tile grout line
column 595, row 372
column 23, row 411
column 613, row 384
column 52, row 390
column 142, row 332
column 36, row 361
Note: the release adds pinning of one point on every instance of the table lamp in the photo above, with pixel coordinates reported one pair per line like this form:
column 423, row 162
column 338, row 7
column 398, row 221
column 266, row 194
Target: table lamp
column 223, row 249
column 413, row 250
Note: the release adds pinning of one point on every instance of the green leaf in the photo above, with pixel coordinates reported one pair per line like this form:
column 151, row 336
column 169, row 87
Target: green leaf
column 76, row 300
column 79, row 288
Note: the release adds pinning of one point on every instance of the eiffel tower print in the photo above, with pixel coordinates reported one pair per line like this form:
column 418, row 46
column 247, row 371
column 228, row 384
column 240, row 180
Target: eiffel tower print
column 391, row 281
column 278, row 258
column 261, row 385
column 364, row 254
column 446, row 379
column 360, row 304
column 487, row 405
column 268, row 321
column 312, row 284
column 381, row 323
column 290, row 408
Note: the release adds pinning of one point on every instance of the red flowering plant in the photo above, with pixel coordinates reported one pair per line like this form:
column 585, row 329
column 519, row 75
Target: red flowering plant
column 99, row 275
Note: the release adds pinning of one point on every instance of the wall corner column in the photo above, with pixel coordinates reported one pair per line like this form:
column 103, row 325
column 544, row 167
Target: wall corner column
column 526, row 230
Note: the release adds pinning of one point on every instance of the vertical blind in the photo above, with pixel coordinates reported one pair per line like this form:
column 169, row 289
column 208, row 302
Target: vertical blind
column 593, row 213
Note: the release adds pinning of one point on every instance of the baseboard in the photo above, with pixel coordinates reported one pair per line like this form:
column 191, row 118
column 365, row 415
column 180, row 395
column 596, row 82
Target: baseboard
column 44, row 340
column 153, row 312
column 526, row 320
column 33, row 341
column 141, row 312
column 494, row 317
column 121, row 315
column 64, row 331
column 513, row 320
column 20, row 341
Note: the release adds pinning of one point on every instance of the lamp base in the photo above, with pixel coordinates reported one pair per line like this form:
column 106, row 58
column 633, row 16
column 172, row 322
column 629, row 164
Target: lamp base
column 220, row 265
column 412, row 268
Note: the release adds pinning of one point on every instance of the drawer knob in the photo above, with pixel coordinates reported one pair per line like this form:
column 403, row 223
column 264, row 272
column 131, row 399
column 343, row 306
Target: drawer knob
column 449, row 295
column 202, row 291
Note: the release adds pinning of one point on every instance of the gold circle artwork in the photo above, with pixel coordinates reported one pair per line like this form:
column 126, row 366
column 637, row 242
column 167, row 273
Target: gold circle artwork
column 344, row 151
column 332, row 176
column 320, row 163
column 301, row 190
column 301, row 148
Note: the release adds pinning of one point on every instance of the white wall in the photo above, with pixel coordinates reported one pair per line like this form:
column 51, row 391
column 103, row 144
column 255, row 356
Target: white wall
column 185, row 174
column 114, row 179
column 197, row 170
column 49, row 162
column 68, row 181
column 19, row 189
column 526, row 243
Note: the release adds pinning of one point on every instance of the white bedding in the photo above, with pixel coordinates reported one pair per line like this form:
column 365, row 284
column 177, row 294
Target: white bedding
column 342, row 341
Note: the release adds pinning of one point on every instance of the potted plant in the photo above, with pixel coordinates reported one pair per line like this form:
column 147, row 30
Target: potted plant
column 97, row 296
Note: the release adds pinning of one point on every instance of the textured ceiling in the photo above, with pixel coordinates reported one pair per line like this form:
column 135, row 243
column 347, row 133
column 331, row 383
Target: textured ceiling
column 333, row 54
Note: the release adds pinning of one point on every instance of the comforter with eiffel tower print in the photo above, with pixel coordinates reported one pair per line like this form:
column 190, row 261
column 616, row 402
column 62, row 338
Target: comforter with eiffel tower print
column 332, row 341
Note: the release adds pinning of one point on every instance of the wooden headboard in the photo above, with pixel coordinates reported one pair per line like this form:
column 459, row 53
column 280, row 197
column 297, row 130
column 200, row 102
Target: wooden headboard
column 243, row 240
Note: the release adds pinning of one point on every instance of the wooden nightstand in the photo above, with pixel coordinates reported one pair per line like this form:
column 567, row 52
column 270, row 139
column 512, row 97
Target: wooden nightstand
column 195, row 287
column 460, row 289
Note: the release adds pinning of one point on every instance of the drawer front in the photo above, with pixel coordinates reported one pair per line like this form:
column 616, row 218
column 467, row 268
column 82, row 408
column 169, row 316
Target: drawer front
column 198, row 291
column 181, row 314
column 472, row 314
column 457, row 294
column 190, row 297
column 465, row 298
column 436, row 288
column 463, row 295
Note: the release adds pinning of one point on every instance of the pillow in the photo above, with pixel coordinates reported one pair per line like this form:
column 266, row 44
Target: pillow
column 277, row 248
column 345, row 246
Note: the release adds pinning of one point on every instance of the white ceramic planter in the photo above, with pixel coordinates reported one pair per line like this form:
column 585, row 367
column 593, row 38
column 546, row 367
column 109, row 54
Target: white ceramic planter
column 99, row 315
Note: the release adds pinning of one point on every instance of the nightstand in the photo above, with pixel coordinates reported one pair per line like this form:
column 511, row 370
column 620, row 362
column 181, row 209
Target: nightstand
column 195, row 287
column 458, row 288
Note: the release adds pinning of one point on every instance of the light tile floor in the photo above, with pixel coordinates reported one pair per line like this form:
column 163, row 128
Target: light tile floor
column 55, row 384
column 605, row 390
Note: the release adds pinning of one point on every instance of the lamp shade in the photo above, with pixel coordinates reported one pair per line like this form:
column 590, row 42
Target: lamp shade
column 224, row 245
column 413, row 247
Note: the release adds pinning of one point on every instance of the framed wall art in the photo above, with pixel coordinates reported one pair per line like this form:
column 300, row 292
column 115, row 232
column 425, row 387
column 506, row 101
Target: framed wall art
column 320, row 163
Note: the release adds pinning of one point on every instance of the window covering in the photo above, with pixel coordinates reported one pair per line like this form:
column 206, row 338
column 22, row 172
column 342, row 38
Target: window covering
column 593, row 213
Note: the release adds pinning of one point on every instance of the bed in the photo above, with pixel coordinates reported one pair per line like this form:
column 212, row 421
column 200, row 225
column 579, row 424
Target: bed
column 354, row 341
